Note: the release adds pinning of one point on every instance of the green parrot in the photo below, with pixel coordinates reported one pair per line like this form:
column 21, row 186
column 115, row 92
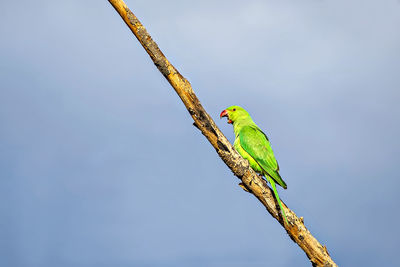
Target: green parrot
column 253, row 145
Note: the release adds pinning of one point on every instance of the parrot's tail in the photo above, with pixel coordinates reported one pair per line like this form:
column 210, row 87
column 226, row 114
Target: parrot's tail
column 272, row 182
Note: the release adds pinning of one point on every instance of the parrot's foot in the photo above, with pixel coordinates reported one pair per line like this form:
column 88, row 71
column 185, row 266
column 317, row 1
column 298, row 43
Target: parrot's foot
column 244, row 187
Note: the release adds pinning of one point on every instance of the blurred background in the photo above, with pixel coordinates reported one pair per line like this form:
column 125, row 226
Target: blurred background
column 101, row 166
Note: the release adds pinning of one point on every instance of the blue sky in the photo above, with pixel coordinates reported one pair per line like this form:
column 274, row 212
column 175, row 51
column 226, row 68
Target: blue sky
column 100, row 163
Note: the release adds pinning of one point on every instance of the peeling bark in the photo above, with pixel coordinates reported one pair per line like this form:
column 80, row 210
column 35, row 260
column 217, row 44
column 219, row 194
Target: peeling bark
column 317, row 253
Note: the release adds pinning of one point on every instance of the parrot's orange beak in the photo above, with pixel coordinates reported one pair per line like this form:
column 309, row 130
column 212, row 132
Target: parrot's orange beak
column 224, row 113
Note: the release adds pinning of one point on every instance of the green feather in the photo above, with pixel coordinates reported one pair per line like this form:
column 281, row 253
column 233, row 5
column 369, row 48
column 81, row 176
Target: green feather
column 271, row 181
column 253, row 145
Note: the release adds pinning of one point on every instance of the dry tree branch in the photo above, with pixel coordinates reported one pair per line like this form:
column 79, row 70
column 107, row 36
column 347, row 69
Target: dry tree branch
column 296, row 230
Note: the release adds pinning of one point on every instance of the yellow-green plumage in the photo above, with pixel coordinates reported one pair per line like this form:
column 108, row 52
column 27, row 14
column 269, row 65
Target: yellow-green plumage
column 253, row 145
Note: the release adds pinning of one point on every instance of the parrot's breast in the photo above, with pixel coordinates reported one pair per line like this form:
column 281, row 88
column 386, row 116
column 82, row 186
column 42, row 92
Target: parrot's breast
column 253, row 164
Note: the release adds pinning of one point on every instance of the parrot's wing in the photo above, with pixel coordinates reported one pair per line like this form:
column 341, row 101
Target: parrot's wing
column 256, row 144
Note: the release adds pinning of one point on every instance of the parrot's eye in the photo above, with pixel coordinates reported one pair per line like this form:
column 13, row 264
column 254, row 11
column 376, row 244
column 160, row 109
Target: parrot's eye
column 234, row 109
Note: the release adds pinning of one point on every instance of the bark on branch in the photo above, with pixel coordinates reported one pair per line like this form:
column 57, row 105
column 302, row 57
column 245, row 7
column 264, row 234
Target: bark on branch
column 317, row 253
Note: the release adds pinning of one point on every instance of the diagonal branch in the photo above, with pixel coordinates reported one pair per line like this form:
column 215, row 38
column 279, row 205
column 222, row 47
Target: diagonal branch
column 296, row 230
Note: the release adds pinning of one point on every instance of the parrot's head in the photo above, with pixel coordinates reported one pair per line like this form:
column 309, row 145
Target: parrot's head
column 234, row 113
